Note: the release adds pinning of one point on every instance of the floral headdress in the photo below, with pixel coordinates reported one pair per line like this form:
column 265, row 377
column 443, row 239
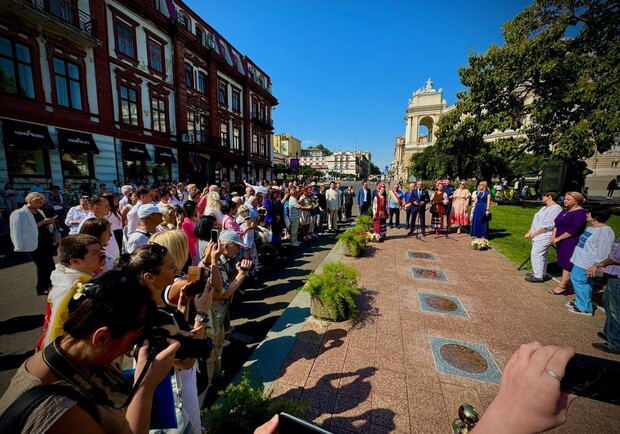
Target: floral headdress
column 82, row 290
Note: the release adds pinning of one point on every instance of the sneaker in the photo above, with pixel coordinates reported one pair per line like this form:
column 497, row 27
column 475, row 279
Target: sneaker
column 575, row 309
column 605, row 347
column 601, row 335
column 295, row 244
column 569, row 304
column 534, row 279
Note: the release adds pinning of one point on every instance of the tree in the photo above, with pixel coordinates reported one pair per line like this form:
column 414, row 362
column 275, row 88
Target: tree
column 555, row 78
column 309, row 171
column 324, row 149
column 554, row 83
column 374, row 170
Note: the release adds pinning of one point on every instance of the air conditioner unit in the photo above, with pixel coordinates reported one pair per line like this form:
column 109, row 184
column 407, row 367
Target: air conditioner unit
column 187, row 138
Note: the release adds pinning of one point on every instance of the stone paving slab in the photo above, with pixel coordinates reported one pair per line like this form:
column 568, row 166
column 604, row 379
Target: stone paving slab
column 382, row 375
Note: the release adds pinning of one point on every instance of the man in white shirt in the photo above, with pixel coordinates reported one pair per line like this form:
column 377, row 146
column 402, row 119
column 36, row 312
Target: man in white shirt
column 150, row 217
column 332, row 197
column 144, row 197
column 540, row 234
column 76, row 214
column 126, row 191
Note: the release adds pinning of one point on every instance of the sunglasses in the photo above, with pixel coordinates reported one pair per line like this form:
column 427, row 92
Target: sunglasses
column 156, row 250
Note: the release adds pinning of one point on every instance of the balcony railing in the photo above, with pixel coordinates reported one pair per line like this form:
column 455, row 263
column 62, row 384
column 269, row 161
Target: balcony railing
column 68, row 13
column 261, row 120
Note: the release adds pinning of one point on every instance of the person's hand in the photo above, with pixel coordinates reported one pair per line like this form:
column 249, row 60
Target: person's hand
column 215, row 251
column 591, row 272
column 529, row 398
column 159, row 367
column 244, row 266
column 269, row 427
column 528, row 235
column 49, row 220
column 204, row 300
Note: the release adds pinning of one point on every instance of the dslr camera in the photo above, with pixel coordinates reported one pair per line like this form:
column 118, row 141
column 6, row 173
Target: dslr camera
column 190, row 348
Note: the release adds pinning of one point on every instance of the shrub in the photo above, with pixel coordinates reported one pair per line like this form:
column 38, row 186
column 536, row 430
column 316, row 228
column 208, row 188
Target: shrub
column 355, row 238
column 364, row 221
column 336, row 288
column 244, row 407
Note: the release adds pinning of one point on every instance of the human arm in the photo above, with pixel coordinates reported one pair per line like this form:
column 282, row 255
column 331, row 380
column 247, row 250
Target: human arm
column 243, row 267
column 529, row 399
column 488, row 203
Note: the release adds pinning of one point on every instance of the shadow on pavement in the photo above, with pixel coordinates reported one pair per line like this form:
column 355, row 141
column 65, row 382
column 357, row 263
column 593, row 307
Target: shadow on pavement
column 14, row 361
column 21, row 324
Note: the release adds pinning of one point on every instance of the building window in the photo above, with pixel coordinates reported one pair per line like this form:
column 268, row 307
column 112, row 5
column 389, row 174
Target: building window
column 197, row 124
column 236, row 144
column 224, row 134
column 125, row 39
column 158, row 113
column 236, row 100
column 222, row 94
column 68, row 86
column 22, row 161
column 263, row 147
column 76, row 164
column 254, row 108
column 130, row 114
column 200, row 35
column 156, row 56
column 189, row 75
column 16, row 73
column 254, row 143
column 202, row 82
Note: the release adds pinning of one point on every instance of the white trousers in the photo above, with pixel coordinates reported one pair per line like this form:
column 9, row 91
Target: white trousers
column 539, row 255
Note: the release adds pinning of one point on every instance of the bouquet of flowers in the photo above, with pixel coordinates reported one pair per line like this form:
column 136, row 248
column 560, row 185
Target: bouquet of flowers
column 480, row 244
column 372, row 237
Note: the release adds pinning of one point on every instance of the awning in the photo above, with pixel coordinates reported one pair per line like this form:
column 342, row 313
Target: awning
column 73, row 141
column 135, row 151
column 164, row 155
column 26, row 135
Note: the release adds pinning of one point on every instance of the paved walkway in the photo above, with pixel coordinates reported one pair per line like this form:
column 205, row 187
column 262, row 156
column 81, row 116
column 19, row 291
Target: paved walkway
column 440, row 323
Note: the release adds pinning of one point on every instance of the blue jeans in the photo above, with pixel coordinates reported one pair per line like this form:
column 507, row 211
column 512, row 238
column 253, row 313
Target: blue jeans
column 611, row 302
column 582, row 284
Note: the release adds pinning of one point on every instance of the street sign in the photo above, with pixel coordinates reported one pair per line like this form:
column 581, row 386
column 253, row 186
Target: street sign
column 386, row 169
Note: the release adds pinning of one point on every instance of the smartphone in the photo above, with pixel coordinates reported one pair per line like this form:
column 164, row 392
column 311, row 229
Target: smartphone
column 289, row 424
column 593, row 377
column 214, row 235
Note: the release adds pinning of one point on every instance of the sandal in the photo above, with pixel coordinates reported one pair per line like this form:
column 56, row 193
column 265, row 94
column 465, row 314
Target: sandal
column 563, row 292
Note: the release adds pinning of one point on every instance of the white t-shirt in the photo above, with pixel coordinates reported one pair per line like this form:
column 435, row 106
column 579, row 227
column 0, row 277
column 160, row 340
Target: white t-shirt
column 594, row 245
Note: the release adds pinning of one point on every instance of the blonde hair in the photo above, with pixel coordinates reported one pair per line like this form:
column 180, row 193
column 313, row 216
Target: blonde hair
column 483, row 186
column 176, row 243
column 33, row 197
column 243, row 210
column 577, row 196
column 213, row 200
column 167, row 214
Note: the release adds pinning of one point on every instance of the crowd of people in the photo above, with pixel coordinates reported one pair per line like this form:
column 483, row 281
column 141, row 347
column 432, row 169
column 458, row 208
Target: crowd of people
column 142, row 263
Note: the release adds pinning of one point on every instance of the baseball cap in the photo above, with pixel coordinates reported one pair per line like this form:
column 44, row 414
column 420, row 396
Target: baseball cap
column 231, row 237
column 147, row 210
column 214, row 188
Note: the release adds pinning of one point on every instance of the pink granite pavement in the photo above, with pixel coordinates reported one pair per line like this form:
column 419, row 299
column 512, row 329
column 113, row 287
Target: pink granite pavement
column 381, row 376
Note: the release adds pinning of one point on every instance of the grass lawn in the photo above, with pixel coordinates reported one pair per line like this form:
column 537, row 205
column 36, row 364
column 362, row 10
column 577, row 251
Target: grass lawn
column 511, row 222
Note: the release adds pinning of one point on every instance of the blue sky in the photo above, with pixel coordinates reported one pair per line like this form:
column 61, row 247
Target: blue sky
column 344, row 70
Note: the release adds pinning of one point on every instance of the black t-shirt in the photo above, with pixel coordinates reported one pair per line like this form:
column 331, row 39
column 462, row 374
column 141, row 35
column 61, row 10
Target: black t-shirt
column 45, row 236
column 165, row 316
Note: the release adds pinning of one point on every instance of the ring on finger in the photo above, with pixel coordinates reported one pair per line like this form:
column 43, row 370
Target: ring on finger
column 554, row 375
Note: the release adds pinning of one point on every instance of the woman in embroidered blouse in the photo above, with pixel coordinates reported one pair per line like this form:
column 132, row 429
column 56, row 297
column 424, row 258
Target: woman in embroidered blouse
column 460, row 201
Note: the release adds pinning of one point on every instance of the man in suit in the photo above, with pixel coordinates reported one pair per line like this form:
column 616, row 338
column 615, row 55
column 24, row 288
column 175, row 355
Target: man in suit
column 406, row 199
column 418, row 199
column 364, row 198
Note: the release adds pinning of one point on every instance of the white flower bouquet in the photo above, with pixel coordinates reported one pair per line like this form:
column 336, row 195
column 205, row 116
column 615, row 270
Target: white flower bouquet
column 480, row 244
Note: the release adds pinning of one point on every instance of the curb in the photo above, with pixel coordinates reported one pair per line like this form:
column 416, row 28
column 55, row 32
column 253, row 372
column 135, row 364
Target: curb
column 267, row 359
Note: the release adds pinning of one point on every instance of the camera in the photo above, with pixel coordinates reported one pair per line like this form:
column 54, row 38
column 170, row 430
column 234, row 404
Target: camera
column 190, row 348
column 198, row 277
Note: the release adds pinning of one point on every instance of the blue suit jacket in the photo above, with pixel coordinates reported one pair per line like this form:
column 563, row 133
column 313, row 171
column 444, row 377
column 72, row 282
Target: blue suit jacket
column 423, row 198
column 360, row 197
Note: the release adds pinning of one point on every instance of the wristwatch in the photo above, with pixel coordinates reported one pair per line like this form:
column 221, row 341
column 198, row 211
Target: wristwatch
column 201, row 319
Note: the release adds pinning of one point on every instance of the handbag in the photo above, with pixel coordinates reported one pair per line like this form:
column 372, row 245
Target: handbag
column 487, row 217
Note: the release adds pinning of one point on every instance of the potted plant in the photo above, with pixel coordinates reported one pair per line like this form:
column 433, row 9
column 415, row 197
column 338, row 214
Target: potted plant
column 334, row 292
column 364, row 221
column 245, row 406
column 353, row 241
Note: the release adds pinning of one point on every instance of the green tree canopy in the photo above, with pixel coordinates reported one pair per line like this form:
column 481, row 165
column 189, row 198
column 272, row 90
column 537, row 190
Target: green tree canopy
column 324, row 149
column 374, row 170
column 555, row 81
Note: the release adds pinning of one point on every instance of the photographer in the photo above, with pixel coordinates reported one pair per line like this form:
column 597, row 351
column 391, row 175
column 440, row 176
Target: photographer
column 105, row 318
column 155, row 268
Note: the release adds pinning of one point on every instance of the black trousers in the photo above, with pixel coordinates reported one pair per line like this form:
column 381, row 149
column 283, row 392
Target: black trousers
column 44, row 260
column 421, row 211
column 395, row 212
